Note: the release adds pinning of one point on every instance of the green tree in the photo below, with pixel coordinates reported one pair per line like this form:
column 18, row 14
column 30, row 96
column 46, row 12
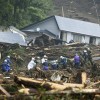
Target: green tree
column 22, row 12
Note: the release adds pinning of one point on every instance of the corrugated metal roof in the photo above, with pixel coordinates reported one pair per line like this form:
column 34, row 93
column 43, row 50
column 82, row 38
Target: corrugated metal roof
column 12, row 36
column 77, row 26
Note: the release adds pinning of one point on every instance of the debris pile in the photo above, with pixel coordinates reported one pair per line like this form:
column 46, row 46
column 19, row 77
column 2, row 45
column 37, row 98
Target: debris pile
column 83, row 82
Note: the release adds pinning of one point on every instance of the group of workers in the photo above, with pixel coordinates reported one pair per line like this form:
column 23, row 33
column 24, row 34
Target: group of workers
column 62, row 61
column 45, row 63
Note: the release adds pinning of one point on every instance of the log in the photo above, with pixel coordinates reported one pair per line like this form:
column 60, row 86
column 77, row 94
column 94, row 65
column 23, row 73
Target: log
column 47, row 85
column 84, row 77
column 75, row 91
column 93, row 84
column 4, row 91
column 86, row 91
column 27, row 91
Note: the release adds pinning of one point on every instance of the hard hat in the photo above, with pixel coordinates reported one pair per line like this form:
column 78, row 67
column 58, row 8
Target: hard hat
column 45, row 56
column 33, row 58
column 5, row 60
column 8, row 56
column 88, row 48
column 61, row 56
column 85, row 51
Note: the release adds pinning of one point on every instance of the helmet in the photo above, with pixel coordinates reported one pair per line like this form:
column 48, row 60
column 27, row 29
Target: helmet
column 61, row 56
column 85, row 51
column 5, row 61
column 33, row 58
column 88, row 48
column 8, row 56
column 45, row 56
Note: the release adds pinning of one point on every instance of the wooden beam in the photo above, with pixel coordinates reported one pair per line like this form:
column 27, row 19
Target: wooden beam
column 4, row 91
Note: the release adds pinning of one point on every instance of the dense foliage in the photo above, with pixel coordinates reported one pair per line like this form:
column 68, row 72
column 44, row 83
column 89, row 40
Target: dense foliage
column 22, row 12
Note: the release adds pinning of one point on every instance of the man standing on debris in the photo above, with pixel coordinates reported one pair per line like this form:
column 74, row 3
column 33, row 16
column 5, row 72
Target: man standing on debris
column 85, row 55
column 8, row 60
column 54, row 64
column 63, row 61
column 43, row 59
column 89, row 55
column 45, row 62
column 5, row 66
column 77, row 61
column 31, row 66
column 45, row 65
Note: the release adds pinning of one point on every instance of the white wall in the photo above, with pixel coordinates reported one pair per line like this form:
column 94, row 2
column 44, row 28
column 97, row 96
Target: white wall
column 49, row 24
column 87, row 39
column 97, row 41
column 64, row 36
column 69, row 37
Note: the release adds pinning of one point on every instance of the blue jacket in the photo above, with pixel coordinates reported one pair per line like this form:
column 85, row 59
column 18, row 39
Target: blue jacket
column 5, row 67
column 8, row 61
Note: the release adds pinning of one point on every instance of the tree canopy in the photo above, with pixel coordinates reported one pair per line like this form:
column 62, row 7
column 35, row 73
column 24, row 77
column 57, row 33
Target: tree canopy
column 19, row 13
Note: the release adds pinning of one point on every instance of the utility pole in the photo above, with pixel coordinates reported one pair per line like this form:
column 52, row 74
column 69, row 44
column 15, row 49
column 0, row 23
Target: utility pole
column 62, row 11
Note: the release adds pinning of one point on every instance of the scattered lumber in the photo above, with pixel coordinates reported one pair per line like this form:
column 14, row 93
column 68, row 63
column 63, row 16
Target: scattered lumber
column 27, row 91
column 4, row 91
column 93, row 84
column 47, row 85
column 75, row 91
column 84, row 77
column 86, row 91
column 75, row 44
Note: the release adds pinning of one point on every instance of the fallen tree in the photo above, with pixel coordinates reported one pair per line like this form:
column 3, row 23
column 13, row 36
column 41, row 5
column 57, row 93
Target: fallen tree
column 47, row 85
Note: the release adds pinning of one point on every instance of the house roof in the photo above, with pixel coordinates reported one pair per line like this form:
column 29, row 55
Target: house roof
column 73, row 25
column 77, row 26
column 12, row 36
column 46, row 32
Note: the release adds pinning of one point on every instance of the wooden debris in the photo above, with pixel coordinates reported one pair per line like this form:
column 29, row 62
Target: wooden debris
column 75, row 91
column 84, row 77
column 93, row 84
column 4, row 91
column 27, row 91
column 47, row 85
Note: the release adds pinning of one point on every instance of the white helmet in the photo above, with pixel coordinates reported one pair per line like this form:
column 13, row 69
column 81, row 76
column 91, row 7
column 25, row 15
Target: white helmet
column 33, row 58
column 88, row 48
column 45, row 56
column 61, row 57
column 8, row 56
column 85, row 51
column 5, row 61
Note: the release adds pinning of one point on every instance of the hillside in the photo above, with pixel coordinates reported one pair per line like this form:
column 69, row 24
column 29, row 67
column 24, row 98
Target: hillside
column 78, row 9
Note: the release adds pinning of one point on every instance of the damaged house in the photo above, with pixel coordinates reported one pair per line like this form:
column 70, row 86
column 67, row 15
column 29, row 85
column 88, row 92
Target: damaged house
column 12, row 35
column 66, row 29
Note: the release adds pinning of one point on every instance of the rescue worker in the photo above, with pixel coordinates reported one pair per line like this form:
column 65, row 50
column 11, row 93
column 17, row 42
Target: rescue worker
column 5, row 66
column 31, row 66
column 43, row 59
column 8, row 60
column 85, row 55
column 54, row 64
column 45, row 65
column 89, row 55
column 77, row 61
column 63, row 61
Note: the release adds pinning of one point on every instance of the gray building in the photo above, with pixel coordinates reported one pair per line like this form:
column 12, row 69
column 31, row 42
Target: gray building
column 12, row 35
column 68, row 29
